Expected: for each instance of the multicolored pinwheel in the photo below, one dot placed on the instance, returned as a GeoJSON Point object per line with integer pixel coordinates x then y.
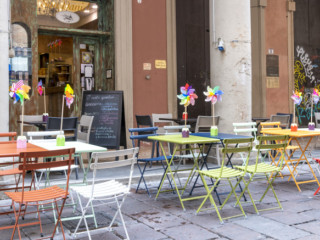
{"type": "Point", "coordinates": [68, 92]}
{"type": "Point", "coordinates": [39, 88]}
{"type": "Point", "coordinates": [19, 92]}
{"type": "Point", "coordinates": [187, 95]}
{"type": "Point", "coordinates": [297, 97]}
{"type": "Point", "coordinates": [213, 95]}
{"type": "Point", "coordinates": [316, 95]}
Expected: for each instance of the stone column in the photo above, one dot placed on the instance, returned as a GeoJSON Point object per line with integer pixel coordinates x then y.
{"type": "Point", "coordinates": [4, 70]}
{"type": "Point", "coordinates": [231, 68]}
{"type": "Point", "coordinates": [123, 57]}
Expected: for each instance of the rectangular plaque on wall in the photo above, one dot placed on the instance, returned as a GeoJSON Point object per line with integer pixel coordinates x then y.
{"type": "Point", "coordinates": [272, 65]}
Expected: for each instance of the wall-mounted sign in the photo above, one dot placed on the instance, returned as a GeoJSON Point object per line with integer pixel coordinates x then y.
{"type": "Point", "coordinates": [146, 66]}
{"type": "Point", "coordinates": [273, 82]}
{"type": "Point", "coordinates": [272, 65]}
{"type": "Point", "coordinates": [161, 64]}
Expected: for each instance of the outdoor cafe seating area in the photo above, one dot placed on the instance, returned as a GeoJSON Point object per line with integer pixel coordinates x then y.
{"type": "Point", "coordinates": [211, 170]}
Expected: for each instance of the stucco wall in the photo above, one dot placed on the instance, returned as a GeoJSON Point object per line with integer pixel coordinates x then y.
{"type": "Point", "coordinates": [231, 69]}
{"type": "Point", "coordinates": [277, 39]}
{"type": "Point", "coordinates": [149, 44]}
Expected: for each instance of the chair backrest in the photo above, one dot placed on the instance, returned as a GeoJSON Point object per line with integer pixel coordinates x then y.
{"type": "Point", "coordinates": [170, 130]}
{"type": "Point", "coordinates": [68, 124]}
{"type": "Point", "coordinates": [275, 125]}
{"type": "Point", "coordinates": [43, 134]}
{"type": "Point", "coordinates": [156, 122]}
{"type": "Point", "coordinates": [141, 134]}
{"type": "Point", "coordinates": [317, 119]}
{"type": "Point", "coordinates": [144, 121]}
{"type": "Point", "coordinates": [31, 118]}
{"type": "Point", "coordinates": [30, 163]}
{"type": "Point", "coordinates": [7, 137]}
{"type": "Point", "coordinates": [272, 142]}
{"type": "Point", "coordinates": [205, 122]}
{"type": "Point", "coordinates": [290, 114]}
{"type": "Point", "coordinates": [175, 129]}
{"type": "Point", "coordinates": [247, 128]}
{"type": "Point", "coordinates": [232, 146]}
{"type": "Point", "coordinates": [84, 128]}
{"type": "Point", "coordinates": [283, 119]}
{"type": "Point", "coordinates": [131, 159]}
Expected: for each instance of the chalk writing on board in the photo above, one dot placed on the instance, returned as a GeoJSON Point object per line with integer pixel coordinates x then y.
{"type": "Point", "coordinates": [106, 107]}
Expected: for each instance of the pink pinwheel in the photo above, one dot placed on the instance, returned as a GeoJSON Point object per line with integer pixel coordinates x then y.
{"type": "Point", "coordinates": [297, 97]}
{"type": "Point", "coordinates": [19, 92]}
{"type": "Point", "coordinates": [316, 95]}
{"type": "Point", "coordinates": [213, 95]}
{"type": "Point", "coordinates": [187, 95]}
{"type": "Point", "coordinates": [39, 88]}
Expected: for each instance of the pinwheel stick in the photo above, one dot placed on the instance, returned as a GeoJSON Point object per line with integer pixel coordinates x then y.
{"type": "Point", "coordinates": [294, 112]}
{"type": "Point", "coordinates": [21, 126]}
{"type": "Point", "coordinates": [213, 122]}
{"type": "Point", "coordinates": [44, 96]}
{"type": "Point", "coordinates": [311, 109]}
{"type": "Point", "coordinates": [62, 114]}
{"type": "Point", "coordinates": [186, 116]}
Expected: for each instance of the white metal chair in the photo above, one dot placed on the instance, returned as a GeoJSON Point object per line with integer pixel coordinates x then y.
{"type": "Point", "coordinates": [160, 123]}
{"type": "Point", "coordinates": [317, 119]}
{"type": "Point", "coordinates": [108, 192]}
{"type": "Point", "coordinates": [30, 118]}
{"type": "Point", "coordinates": [250, 129]}
{"type": "Point", "coordinates": [84, 128]}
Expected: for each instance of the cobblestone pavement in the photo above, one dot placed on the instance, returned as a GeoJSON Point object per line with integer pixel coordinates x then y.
{"type": "Point", "coordinates": [147, 218]}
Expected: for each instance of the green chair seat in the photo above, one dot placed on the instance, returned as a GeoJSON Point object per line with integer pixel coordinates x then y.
{"type": "Point", "coordinates": [226, 173]}
{"type": "Point", "coordinates": [261, 168]}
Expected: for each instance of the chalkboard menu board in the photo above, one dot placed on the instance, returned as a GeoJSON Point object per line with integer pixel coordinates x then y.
{"type": "Point", "coordinates": [108, 127]}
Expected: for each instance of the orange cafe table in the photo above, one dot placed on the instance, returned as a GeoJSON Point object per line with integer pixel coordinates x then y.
{"type": "Point", "coordinates": [291, 163]}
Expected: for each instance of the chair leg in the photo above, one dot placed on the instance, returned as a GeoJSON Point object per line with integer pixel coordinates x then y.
{"type": "Point", "coordinates": [83, 211]}
{"type": "Point", "coordinates": [120, 214]}
{"type": "Point", "coordinates": [59, 219]}
{"type": "Point", "coordinates": [142, 178]}
{"type": "Point", "coordinates": [16, 225]}
{"type": "Point", "coordinates": [39, 218]}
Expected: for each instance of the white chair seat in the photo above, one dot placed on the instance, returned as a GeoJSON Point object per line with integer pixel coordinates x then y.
{"type": "Point", "coordinates": [105, 189]}
{"type": "Point", "coordinates": [57, 169]}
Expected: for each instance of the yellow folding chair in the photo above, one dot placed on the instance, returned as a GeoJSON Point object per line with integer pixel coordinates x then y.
{"type": "Point", "coordinates": [261, 169]}
{"type": "Point", "coordinates": [275, 156]}
{"type": "Point", "coordinates": [224, 173]}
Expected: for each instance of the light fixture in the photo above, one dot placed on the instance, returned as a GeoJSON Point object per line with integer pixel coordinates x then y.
{"type": "Point", "coordinates": [51, 7]}
{"type": "Point", "coordinates": [139, 1]}
{"type": "Point", "coordinates": [95, 6]}
{"type": "Point", "coordinates": [86, 11]}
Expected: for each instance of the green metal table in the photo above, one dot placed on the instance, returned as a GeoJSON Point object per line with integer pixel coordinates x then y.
{"type": "Point", "coordinates": [192, 143]}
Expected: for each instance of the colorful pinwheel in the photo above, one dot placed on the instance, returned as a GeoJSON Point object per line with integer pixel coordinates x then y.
{"type": "Point", "coordinates": [297, 97]}
{"type": "Point", "coordinates": [213, 95]}
{"type": "Point", "coordinates": [68, 92]}
{"type": "Point", "coordinates": [316, 95]}
{"type": "Point", "coordinates": [39, 88]}
{"type": "Point", "coordinates": [19, 92]}
{"type": "Point", "coordinates": [187, 95]}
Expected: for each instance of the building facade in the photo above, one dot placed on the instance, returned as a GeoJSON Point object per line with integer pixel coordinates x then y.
{"type": "Point", "coordinates": [148, 49]}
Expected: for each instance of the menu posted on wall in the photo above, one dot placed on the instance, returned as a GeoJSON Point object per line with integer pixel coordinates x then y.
{"type": "Point", "coordinates": [108, 124]}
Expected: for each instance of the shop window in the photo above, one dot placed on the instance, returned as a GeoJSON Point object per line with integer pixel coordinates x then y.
{"type": "Point", "coordinates": [68, 14]}
{"type": "Point", "coordinates": [20, 54]}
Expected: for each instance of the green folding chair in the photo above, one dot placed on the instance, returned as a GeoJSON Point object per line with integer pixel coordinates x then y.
{"type": "Point", "coordinates": [224, 173]}
{"type": "Point", "coordinates": [260, 169]}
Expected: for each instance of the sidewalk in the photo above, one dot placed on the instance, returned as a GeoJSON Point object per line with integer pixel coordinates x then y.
{"type": "Point", "coordinates": [150, 219]}
{"type": "Point", "coordinates": [165, 219]}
